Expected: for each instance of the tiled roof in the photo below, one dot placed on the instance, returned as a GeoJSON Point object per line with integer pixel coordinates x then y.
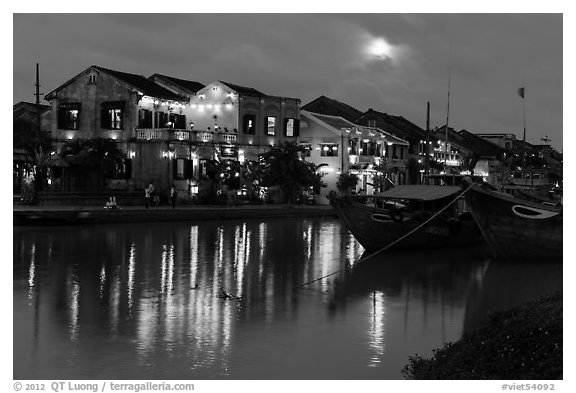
{"type": "Point", "coordinates": [329, 106]}
{"type": "Point", "coordinates": [480, 145]}
{"type": "Point", "coordinates": [243, 90]}
{"type": "Point", "coordinates": [22, 107]}
{"type": "Point", "coordinates": [396, 125]}
{"type": "Point", "coordinates": [143, 84]}
{"type": "Point", "coordinates": [337, 122]}
{"type": "Point", "coordinates": [190, 86]}
{"type": "Point", "coordinates": [468, 141]}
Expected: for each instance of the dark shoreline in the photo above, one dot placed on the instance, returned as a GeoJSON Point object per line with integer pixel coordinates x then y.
{"type": "Point", "coordinates": [524, 342]}
{"type": "Point", "coordinates": [76, 215]}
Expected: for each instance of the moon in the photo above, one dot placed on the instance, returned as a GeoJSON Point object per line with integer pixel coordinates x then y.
{"type": "Point", "coordinates": [380, 49]}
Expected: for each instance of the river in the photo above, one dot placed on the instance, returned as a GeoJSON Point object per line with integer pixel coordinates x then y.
{"type": "Point", "coordinates": [244, 300]}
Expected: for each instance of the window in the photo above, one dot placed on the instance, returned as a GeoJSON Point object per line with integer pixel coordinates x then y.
{"type": "Point", "coordinates": [160, 120]}
{"type": "Point", "coordinates": [353, 144]}
{"type": "Point", "coordinates": [270, 125]}
{"type": "Point", "coordinates": [291, 127]}
{"type": "Point", "coordinates": [249, 124]}
{"type": "Point", "coordinates": [367, 148]}
{"type": "Point", "coordinates": [69, 116]}
{"type": "Point", "coordinates": [121, 169]}
{"type": "Point", "coordinates": [112, 115]}
{"type": "Point", "coordinates": [92, 79]}
{"type": "Point", "coordinates": [307, 150]}
{"type": "Point", "coordinates": [329, 150]}
{"type": "Point", "coordinates": [144, 118]}
{"type": "Point", "coordinates": [372, 123]}
{"type": "Point", "coordinates": [394, 152]}
{"type": "Point", "coordinates": [177, 121]}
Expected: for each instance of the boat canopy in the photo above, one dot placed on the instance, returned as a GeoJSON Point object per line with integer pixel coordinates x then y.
{"type": "Point", "coordinates": [420, 192]}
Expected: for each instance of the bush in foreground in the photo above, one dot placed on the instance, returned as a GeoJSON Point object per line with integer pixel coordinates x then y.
{"type": "Point", "coordinates": [524, 342]}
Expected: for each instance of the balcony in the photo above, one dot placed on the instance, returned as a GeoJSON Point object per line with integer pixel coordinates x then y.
{"type": "Point", "coordinates": [226, 137]}
{"type": "Point", "coordinates": [151, 134]}
{"type": "Point", "coordinates": [172, 134]}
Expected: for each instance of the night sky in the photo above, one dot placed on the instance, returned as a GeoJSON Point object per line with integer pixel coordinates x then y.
{"type": "Point", "coordinates": [393, 63]}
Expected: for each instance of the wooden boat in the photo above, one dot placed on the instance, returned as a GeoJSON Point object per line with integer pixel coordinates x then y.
{"type": "Point", "coordinates": [516, 228]}
{"type": "Point", "coordinates": [414, 227]}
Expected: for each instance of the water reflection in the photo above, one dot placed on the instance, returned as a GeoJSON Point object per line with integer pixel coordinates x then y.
{"type": "Point", "coordinates": [225, 300]}
{"type": "Point", "coordinates": [376, 332]}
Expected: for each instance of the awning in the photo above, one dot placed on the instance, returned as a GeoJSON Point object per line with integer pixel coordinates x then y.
{"type": "Point", "coordinates": [420, 192]}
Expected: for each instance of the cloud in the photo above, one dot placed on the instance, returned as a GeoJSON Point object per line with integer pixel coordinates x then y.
{"type": "Point", "coordinates": [390, 62]}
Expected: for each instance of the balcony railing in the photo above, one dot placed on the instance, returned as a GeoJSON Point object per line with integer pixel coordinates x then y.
{"type": "Point", "coordinates": [226, 137]}
{"type": "Point", "coordinates": [148, 134]}
{"type": "Point", "coordinates": [171, 134]}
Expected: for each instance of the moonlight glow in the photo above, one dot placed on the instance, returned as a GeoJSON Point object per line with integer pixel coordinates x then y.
{"type": "Point", "coordinates": [380, 49]}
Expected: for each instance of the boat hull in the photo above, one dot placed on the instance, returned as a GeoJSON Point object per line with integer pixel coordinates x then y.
{"type": "Point", "coordinates": [516, 228]}
{"type": "Point", "coordinates": [375, 230]}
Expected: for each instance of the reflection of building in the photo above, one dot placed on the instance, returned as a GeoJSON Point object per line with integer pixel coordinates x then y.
{"type": "Point", "coordinates": [168, 128]}
{"type": "Point", "coordinates": [337, 145]}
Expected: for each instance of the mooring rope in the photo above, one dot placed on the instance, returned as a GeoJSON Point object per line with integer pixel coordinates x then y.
{"type": "Point", "coordinates": [417, 228]}
{"type": "Point", "coordinates": [395, 241]}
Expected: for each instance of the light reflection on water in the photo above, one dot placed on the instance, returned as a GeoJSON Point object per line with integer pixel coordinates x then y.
{"type": "Point", "coordinates": [149, 301]}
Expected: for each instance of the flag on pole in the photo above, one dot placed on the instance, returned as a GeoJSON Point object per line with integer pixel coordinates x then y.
{"type": "Point", "coordinates": [521, 92]}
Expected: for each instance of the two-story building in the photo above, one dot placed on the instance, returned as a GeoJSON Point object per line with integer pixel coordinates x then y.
{"type": "Point", "coordinates": [169, 128]}
{"type": "Point", "coordinates": [463, 152]}
{"type": "Point", "coordinates": [420, 144]}
{"type": "Point", "coordinates": [113, 105]}
{"type": "Point", "coordinates": [336, 145]}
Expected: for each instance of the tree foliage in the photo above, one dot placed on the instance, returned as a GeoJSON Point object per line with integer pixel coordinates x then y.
{"type": "Point", "coordinates": [284, 167]}
{"type": "Point", "coordinates": [346, 181]}
{"type": "Point", "coordinates": [26, 137]}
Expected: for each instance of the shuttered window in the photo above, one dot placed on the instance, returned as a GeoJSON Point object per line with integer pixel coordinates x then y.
{"type": "Point", "coordinates": [144, 118]}
{"type": "Point", "coordinates": [291, 127]}
{"type": "Point", "coordinates": [160, 120]}
{"type": "Point", "coordinates": [112, 115]}
{"type": "Point", "coordinates": [69, 116]}
{"type": "Point", "coordinates": [270, 125]}
{"type": "Point", "coordinates": [249, 124]}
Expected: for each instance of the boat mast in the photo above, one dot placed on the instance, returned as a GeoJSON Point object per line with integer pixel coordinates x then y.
{"type": "Point", "coordinates": [522, 92]}
{"type": "Point", "coordinates": [427, 144]}
{"type": "Point", "coordinates": [447, 118]}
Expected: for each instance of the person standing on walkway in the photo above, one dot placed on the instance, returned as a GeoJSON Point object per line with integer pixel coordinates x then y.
{"type": "Point", "coordinates": [148, 193]}
{"type": "Point", "coordinates": [173, 196]}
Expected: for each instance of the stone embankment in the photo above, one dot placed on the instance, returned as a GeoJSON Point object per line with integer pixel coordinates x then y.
{"type": "Point", "coordinates": [24, 215]}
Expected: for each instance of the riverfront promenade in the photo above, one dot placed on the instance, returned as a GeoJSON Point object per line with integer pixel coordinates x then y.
{"type": "Point", "coordinates": [76, 214]}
